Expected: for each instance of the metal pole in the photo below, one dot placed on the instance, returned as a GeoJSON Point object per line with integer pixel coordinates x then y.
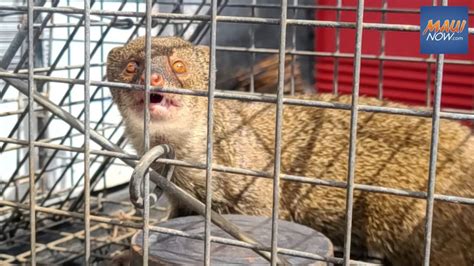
{"type": "Point", "coordinates": [87, 53]}
{"type": "Point", "coordinates": [433, 154]}
{"type": "Point", "coordinates": [335, 81]}
{"type": "Point", "coordinates": [31, 137]}
{"type": "Point", "coordinates": [353, 133]}
{"type": "Point", "coordinates": [278, 130]}
{"type": "Point", "coordinates": [146, 134]}
{"type": "Point", "coordinates": [210, 126]}
{"type": "Point", "coordinates": [382, 52]}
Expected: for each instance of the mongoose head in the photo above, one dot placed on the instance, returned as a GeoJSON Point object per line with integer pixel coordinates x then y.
{"type": "Point", "coordinates": [175, 63]}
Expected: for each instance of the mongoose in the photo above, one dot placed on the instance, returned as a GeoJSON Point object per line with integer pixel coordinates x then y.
{"type": "Point", "coordinates": [392, 151]}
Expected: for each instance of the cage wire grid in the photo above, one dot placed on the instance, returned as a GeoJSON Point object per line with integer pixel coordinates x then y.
{"type": "Point", "coordinates": [102, 142]}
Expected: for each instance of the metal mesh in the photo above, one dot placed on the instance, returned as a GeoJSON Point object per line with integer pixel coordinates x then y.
{"type": "Point", "coordinates": [65, 158]}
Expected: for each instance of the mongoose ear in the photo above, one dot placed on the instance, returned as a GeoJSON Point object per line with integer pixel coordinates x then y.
{"type": "Point", "coordinates": [114, 63]}
{"type": "Point", "coordinates": [202, 52]}
{"type": "Point", "coordinates": [204, 48]}
{"type": "Point", "coordinates": [115, 55]}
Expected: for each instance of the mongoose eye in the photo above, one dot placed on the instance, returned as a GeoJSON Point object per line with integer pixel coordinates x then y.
{"type": "Point", "coordinates": [179, 67]}
{"type": "Point", "coordinates": [132, 67]}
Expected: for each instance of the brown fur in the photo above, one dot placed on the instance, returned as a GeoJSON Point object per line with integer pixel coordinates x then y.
{"type": "Point", "coordinates": [392, 151]}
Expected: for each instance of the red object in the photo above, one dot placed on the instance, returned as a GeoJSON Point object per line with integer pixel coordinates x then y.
{"type": "Point", "coordinates": [402, 81]}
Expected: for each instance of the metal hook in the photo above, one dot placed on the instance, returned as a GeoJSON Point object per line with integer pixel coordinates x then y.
{"type": "Point", "coordinates": [136, 188]}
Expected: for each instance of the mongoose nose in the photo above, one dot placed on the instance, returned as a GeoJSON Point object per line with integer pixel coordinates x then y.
{"type": "Point", "coordinates": [155, 79]}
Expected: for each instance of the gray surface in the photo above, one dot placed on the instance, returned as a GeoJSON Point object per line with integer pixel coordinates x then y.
{"type": "Point", "coordinates": [180, 250]}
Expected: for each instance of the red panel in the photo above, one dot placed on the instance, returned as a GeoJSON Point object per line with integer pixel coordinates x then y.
{"type": "Point", "coordinates": [403, 81]}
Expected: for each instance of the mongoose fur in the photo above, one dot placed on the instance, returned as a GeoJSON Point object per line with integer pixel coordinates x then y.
{"type": "Point", "coordinates": [392, 151]}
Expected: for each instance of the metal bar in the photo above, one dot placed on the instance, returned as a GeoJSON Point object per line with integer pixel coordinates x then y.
{"type": "Point", "coordinates": [255, 173]}
{"type": "Point", "coordinates": [301, 6]}
{"type": "Point", "coordinates": [21, 179]}
{"type": "Point", "coordinates": [253, 97]}
{"type": "Point", "coordinates": [104, 165]}
{"type": "Point", "coordinates": [137, 199]}
{"type": "Point", "coordinates": [142, 19]}
{"type": "Point", "coordinates": [353, 133]}
{"type": "Point", "coordinates": [176, 8]}
{"type": "Point", "coordinates": [278, 129]}
{"type": "Point", "coordinates": [40, 134]}
{"type": "Point", "coordinates": [15, 127]}
{"type": "Point", "coordinates": [78, 201]}
{"type": "Point", "coordinates": [82, 111]}
{"type": "Point", "coordinates": [252, 46]}
{"type": "Point", "coordinates": [172, 189]}
{"type": "Point", "coordinates": [230, 19]}
{"type": "Point", "coordinates": [183, 31]}
{"type": "Point", "coordinates": [382, 52]}
{"type": "Point", "coordinates": [70, 87]}
{"type": "Point", "coordinates": [50, 159]}
{"type": "Point", "coordinates": [209, 138]}
{"type": "Point", "coordinates": [428, 72]}
{"type": "Point", "coordinates": [19, 112]}
{"type": "Point", "coordinates": [16, 43]}
{"type": "Point", "coordinates": [80, 72]}
{"type": "Point", "coordinates": [335, 81]}
{"type": "Point", "coordinates": [72, 173]}
{"type": "Point", "coordinates": [321, 7]}
{"type": "Point", "coordinates": [87, 62]}
{"type": "Point", "coordinates": [342, 55]}
{"type": "Point", "coordinates": [67, 44]}
{"type": "Point", "coordinates": [102, 74]}
{"type": "Point", "coordinates": [325, 54]}
{"type": "Point", "coordinates": [102, 129]}
{"type": "Point", "coordinates": [433, 155]}
{"type": "Point", "coordinates": [178, 27]}
{"type": "Point", "coordinates": [69, 67]}
{"type": "Point", "coordinates": [116, 24]}
{"type": "Point", "coordinates": [203, 28]}
{"type": "Point", "coordinates": [293, 48]}
{"type": "Point", "coordinates": [146, 134]}
{"type": "Point", "coordinates": [31, 131]}
{"type": "Point", "coordinates": [57, 60]}
{"type": "Point", "coordinates": [7, 59]}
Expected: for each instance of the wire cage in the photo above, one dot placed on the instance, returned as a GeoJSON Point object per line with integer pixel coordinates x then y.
{"type": "Point", "coordinates": [65, 159]}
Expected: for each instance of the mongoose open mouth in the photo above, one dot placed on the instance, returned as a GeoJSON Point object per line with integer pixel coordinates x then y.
{"type": "Point", "coordinates": [156, 98]}
{"type": "Point", "coordinates": [160, 105]}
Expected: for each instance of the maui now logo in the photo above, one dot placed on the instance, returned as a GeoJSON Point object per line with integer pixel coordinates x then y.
{"type": "Point", "coordinates": [444, 30]}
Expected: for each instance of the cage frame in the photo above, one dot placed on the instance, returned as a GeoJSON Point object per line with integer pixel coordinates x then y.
{"type": "Point", "coordinates": [115, 151]}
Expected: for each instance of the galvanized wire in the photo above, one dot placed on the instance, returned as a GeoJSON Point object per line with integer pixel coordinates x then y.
{"type": "Point", "coordinates": [255, 173]}
{"type": "Point", "coordinates": [382, 51]}
{"type": "Point", "coordinates": [230, 19]}
{"type": "Point", "coordinates": [115, 151]}
{"type": "Point", "coordinates": [278, 130]}
{"type": "Point", "coordinates": [87, 202]}
{"type": "Point", "coordinates": [433, 154]}
{"type": "Point", "coordinates": [353, 133]}
{"type": "Point", "coordinates": [31, 131]}
{"type": "Point", "coordinates": [254, 97]}
{"type": "Point", "coordinates": [209, 137]}
{"type": "Point", "coordinates": [146, 133]}
{"type": "Point", "coordinates": [335, 81]}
